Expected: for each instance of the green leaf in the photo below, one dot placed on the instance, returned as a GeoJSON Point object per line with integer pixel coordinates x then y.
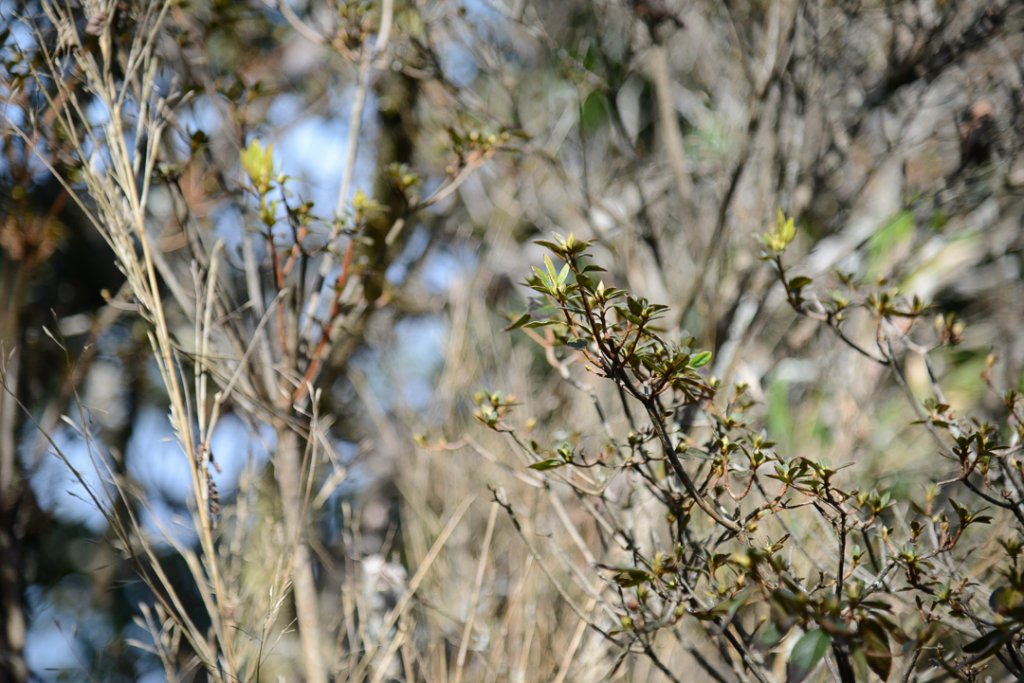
{"type": "Point", "coordinates": [594, 111]}
{"type": "Point", "coordinates": [701, 359]}
{"type": "Point", "coordinates": [987, 644]}
{"type": "Point", "coordinates": [806, 654]}
{"type": "Point", "coordinates": [552, 274]}
{"type": "Point", "coordinates": [577, 343]}
{"type": "Point", "coordinates": [860, 665]}
{"type": "Point", "coordinates": [799, 282]}
{"type": "Point", "coordinates": [785, 227]}
{"type": "Point", "coordinates": [519, 322]}
{"type": "Point", "coordinates": [769, 636]}
{"type": "Point", "coordinates": [544, 277]}
{"type": "Point", "coordinates": [627, 578]}
{"type": "Point", "coordinates": [563, 274]}
{"type": "Point", "coordinates": [258, 164]}
{"type": "Point", "coordinates": [551, 246]}
{"type": "Point", "coordinates": [876, 647]}
{"type": "Point", "coordinates": [785, 230]}
{"type": "Point", "coordinates": [548, 464]}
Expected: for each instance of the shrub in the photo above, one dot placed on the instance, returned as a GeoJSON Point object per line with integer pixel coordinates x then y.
{"type": "Point", "coordinates": [779, 558]}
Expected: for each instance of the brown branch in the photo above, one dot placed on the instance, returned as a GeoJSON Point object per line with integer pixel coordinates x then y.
{"type": "Point", "coordinates": [317, 357]}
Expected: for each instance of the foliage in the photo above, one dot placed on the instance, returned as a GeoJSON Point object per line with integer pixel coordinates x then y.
{"type": "Point", "coordinates": [722, 551]}
{"type": "Point", "coordinates": [256, 259]}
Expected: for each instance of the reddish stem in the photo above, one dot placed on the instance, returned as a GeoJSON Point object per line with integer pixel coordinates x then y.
{"type": "Point", "coordinates": [339, 287]}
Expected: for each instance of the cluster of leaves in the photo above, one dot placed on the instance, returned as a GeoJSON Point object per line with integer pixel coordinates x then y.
{"type": "Point", "coordinates": [617, 333]}
{"type": "Point", "coordinates": [726, 555]}
{"type": "Point", "coordinates": [985, 459]}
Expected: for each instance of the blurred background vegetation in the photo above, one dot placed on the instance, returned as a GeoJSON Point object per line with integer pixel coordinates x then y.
{"type": "Point", "coordinates": [429, 144]}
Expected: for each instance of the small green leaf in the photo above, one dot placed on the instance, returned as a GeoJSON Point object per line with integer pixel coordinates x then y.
{"type": "Point", "coordinates": [577, 343]}
{"type": "Point", "coordinates": [799, 282]}
{"type": "Point", "coordinates": [552, 274]}
{"type": "Point", "coordinates": [627, 578]}
{"type": "Point", "coordinates": [806, 654]}
{"type": "Point", "coordinates": [519, 322]}
{"type": "Point", "coordinates": [634, 305]}
{"type": "Point", "coordinates": [785, 227]}
{"type": "Point", "coordinates": [701, 359]}
{"type": "Point", "coordinates": [785, 230]}
{"type": "Point", "coordinates": [544, 277]}
{"type": "Point", "coordinates": [548, 464]}
{"type": "Point", "coordinates": [258, 164]}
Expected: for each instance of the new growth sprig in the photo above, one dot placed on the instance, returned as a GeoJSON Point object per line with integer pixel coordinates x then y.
{"type": "Point", "coordinates": [616, 332]}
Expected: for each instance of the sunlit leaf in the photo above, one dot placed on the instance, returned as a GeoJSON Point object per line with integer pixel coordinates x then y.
{"type": "Point", "coordinates": [548, 464]}
{"type": "Point", "coordinates": [258, 164]}
{"type": "Point", "coordinates": [701, 359]}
